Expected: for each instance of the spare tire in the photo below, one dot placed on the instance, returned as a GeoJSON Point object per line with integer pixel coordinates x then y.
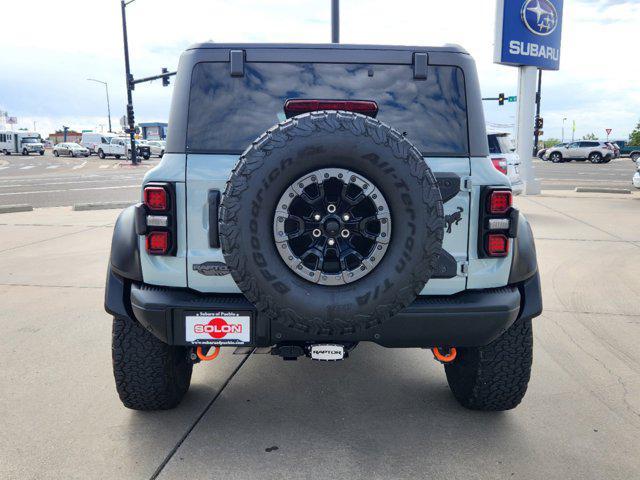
{"type": "Point", "coordinates": [331, 223]}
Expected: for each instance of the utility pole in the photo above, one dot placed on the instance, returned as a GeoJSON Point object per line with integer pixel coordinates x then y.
{"type": "Point", "coordinates": [563, 120]}
{"type": "Point", "coordinates": [106, 87]}
{"type": "Point", "coordinates": [130, 118]}
{"type": "Point", "coordinates": [536, 132]}
{"type": "Point", "coordinates": [335, 21]}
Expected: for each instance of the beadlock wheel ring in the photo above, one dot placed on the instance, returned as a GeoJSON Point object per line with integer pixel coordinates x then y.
{"type": "Point", "coordinates": [332, 200]}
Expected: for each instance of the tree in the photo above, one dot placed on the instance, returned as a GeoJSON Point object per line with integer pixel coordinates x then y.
{"type": "Point", "coordinates": [590, 136]}
{"type": "Point", "coordinates": [634, 137]}
{"type": "Point", "coordinates": [550, 142]}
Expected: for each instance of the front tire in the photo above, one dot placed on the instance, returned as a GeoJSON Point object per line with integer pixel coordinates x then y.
{"type": "Point", "coordinates": [494, 377]}
{"type": "Point", "coordinates": [101, 155]}
{"type": "Point", "coordinates": [55, 153]}
{"type": "Point", "coordinates": [556, 157]}
{"type": "Point", "coordinates": [25, 152]}
{"type": "Point", "coordinates": [149, 374]}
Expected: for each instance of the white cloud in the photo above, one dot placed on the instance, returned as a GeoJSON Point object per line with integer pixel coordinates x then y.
{"type": "Point", "coordinates": [45, 66]}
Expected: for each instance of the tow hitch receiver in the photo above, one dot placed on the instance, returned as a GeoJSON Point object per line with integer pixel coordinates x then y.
{"type": "Point", "coordinates": [327, 352]}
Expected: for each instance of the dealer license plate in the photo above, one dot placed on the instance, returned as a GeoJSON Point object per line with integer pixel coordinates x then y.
{"type": "Point", "coordinates": [218, 328]}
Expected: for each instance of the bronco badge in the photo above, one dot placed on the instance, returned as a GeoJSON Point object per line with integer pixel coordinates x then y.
{"type": "Point", "coordinates": [452, 219]}
{"type": "Point", "coordinates": [212, 269]}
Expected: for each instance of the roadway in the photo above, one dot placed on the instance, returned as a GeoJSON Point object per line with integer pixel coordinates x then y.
{"type": "Point", "coordinates": [48, 181]}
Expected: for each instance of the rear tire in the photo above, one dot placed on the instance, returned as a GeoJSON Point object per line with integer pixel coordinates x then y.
{"type": "Point", "coordinates": [25, 152]}
{"type": "Point", "coordinates": [55, 153]}
{"type": "Point", "coordinates": [117, 157]}
{"type": "Point", "coordinates": [635, 157]}
{"type": "Point", "coordinates": [595, 157]}
{"type": "Point", "coordinates": [494, 377]}
{"type": "Point", "coordinates": [149, 374]}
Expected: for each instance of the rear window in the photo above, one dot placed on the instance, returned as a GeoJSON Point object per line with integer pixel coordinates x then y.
{"type": "Point", "coordinates": [499, 143]}
{"type": "Point", "coordinates": [227, 113]}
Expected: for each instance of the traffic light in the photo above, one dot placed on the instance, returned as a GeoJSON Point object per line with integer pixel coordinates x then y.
{"type": "Point", "coordinates": [130, 117]}
{"type": "Point", "coordinates": [539, 123]}
{"type": "Point", "coordinates": [165, 79]}
{"type": "Point", "coordinates": [501, 99]}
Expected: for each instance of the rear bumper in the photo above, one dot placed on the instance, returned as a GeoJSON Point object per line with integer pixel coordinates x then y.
{"type": "Point", "coordinates": [470, 318]}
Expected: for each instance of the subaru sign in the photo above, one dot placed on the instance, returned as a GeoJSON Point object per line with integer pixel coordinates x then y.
{"type": "Point", "coordinates": [528, 32]}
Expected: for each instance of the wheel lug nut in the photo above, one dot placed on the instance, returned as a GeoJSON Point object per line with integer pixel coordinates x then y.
{"type": "Point", "coordinates": [331, 208]}
{"type": "Point", "coordinates": [344, 233]}
{"type": "Point", "coordinates": [346, 217]}
{"type": "Point", "coordinates": [316, 233]}
{"type": "Point", "coordinates": [317, 217]}
{"type": "Point", "coordinates": [331, 242]}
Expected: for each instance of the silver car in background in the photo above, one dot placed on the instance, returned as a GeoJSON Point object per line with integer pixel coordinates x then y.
{"type": "Point", "coordinates": [157, 147]}
{"type": "Point", "coordinates": [505, 159]}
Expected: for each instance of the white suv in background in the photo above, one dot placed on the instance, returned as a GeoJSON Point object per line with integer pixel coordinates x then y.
{"type": "Point", "coordinates": [504, 158]}
{"type": "Point", "coordinates": [592, 150]}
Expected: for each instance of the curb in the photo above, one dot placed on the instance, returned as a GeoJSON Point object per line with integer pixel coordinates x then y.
{"type": "Point", "coordinates": [80, 207]}
{"type": "Point", "coordinates": [15, 208]}
{"type": "Point", "coordinates": [602, 190]}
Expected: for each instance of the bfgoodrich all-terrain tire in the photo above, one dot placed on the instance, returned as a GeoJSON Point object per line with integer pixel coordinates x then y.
{"type": "Point", "coordinates": [494, 377]}
{"type": "Point", "coordinates": [149, 374]}
{"type": "Point", "coordinates": [321, 147]}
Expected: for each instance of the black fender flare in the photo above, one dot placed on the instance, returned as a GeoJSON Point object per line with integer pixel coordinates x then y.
{"type": "Point", "coordinates": [124, 264]}
{"type": "Point", "coordinates": [125, 253]}
{"type": "Point", "coordinates": [524, 263]}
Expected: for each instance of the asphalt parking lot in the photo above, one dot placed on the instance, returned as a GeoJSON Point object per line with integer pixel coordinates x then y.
{"type": "Point", "coordinates": [380, 414]}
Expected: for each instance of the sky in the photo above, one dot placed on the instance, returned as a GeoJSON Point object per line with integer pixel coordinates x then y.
{"type": "Point", "coordinates": [51, 48]}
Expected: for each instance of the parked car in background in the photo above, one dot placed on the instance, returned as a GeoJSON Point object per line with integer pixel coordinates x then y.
{"type": "Point", "coordinates": [70, 149]}
{"type": "Point", "coordinates": [504, 158]}
{"type": "Point", "coordinates": [92, 140]}
{"type": "Point", "coordinates": [21, 142]}
{"type": "Point", "coordinates": [632, 151]}
{"type": "Point", "coordinates": [157, 147]}
{"type": "Point", "coordinates": [119, 147]}
{"type": "Point", "coordinates": [592, 150]}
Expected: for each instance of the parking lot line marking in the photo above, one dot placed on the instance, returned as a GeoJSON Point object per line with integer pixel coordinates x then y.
{"type": "Point", "coordinates": [27, 167]}
{"type": "Point", "coordinates": [104, 166]}
{"type": "Point", "coordinates": [76, 167]}
{"type": "Point", "coordinates": [3, 168]}
{"type": "Point", "coordinates": [69, 190]}
{"type": "Point", "coordinates": [52, 167]}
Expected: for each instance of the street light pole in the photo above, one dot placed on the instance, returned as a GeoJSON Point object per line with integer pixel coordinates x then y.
{"type": "Point", "coordinates": [131, 122]}
{"type": "Point", "coordinates": [106, 87]}
{"type": "Point", "coordinates": [335, 21]}
{"type": "Point", "coordinates": [563, 129]}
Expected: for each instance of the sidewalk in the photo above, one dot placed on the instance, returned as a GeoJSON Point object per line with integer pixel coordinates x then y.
{"type": "Point", "coordinates": [380, 414]}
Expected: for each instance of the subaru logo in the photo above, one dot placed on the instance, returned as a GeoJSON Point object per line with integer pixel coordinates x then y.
{"type": "Point", "coordinates": [539, 16]}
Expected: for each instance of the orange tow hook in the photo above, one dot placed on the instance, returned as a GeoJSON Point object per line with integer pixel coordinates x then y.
{"type": "Point", "coordinates": [206, 358]}
{"type": "Point", "coordinates": [447, 357]}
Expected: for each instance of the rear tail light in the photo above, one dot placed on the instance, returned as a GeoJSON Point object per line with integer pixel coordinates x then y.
{"type": "Point", "coordinates": [499, 201]}
{"type": "Point", "coordinates": [156, 198]}
{"type": "Point", "coordinates": [158, 242]}
{"type": "Point", "coordinates": [156, 218]}
{"type": "Point", "coordinates": [297, 107]}
{"type": "Point", "coordinates": [498, 222]}
{"type": "Point", "coordinates": [497, 245]}
{"type": "Point", "coordinates": [500, 164]}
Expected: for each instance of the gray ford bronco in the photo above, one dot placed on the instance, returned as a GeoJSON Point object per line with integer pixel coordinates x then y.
{"type": "Point", "coordinates": [312, 197]}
